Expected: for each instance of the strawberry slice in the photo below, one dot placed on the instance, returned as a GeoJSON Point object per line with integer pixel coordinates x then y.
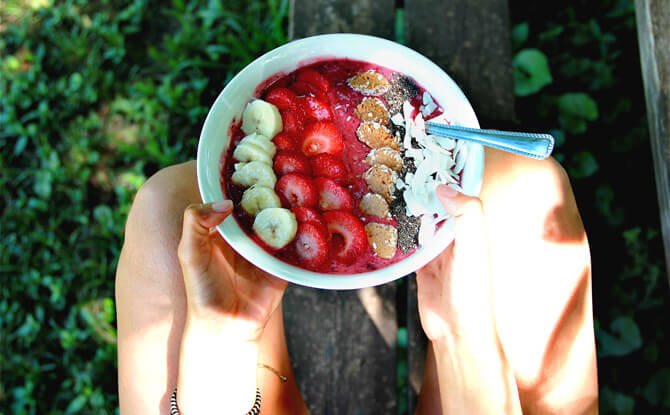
{"type": "Point", "coordinates": [332, 196]}
{"type": "Point", "coordinates": [286, 142]}
{"type": "Point", "coordinates": [358, 187]}
{"type": "Point", "coordinates": [315, 78]}
{"type": "Point", "coordinates": [352, 240]}
{"type": "Point", "coordinates": [327, 165]}
{"type": "Point", "coordinates": [282, 98]}
{"type": "Point", "coordinates": [295, 189]}
{"type": "Point", "coordinates": [311, 245]}
{"type": "Point", "coordinates": [291, 162]}
{"type": "Point", "coordinates": [316, 109]}
{"type": "Point", "coordinates": [322, 137]}
{"type": "Point", "coordinates": [308, 215]}
{"type": "Point", "coordinates": [302, 89]}
{"type": "Point", "coordinates": [292, 122]}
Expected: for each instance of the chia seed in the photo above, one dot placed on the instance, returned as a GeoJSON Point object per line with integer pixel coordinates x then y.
{"type": "Point", "coordinates": [408, 226]}
{"type": "Point", "coordinates": [403, 89]}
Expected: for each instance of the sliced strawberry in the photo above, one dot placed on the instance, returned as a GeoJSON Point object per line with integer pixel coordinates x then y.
{"type": "Point", "coordinates": [332, 196]}
{"type": "Point", "coordinates": [292, 122]}
{"type": "Point", "coordinates": [311, 245]}
{"type": "Point", "coordinates": [315, 78]}
{"type": "Point", "coordinates": [282, 98]}
{"type": "Point", "coordinates": [352, 240]}
{"type": "Point", "coordinates": [286, 142]}
{"type": "Point", "coordinates": [327, 165]}
{"type": "Point", "coordinates": [291, 162]}
{"type": "Point", "coordinates": [308, 215]}
{"type": "Point", "coordinates": [316, 109]}
{"type": "Point", "coordinates": [296, 190]}
{"type": "Point", "coordinates": [322, 137]}
{"type": "Point", "coordinates": [358, 187]}
{"type": "Point", "coordinates": [302, 89]}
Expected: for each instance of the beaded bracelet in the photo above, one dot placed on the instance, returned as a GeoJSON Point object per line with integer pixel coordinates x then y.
{"type": "Point", "coordinates": [255, 410]}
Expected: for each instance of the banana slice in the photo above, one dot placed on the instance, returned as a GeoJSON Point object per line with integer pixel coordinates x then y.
{"type": "Point", "coordinates": [254, 172]}
{"type": "Point", "coordinates": [261, 117]}
{"type": "Point", "coordinates": [262, 142]}
{"type": "Point", "coordinates": [257, 198]}
{"type": "Point", "coordinates": [251, 152]}
{"type": "Point", "coordinates": [276, 226]}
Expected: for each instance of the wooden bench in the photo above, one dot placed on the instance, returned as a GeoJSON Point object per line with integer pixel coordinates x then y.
{"type": "Point", "coordinates": [343, 343]}
{"type": "Point", "coordinates": [653, 23]}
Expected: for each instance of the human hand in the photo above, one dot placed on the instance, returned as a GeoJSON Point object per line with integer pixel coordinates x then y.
{"type": "Point", "coordinates": [222, 288]}
{"type": "Point", "coordinates": [454, 290]}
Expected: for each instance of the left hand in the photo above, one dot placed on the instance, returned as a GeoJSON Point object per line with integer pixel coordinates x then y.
{"type": "Point", "coordinates": [223, 289]}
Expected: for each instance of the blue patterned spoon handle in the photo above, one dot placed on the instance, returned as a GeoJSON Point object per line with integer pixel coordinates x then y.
{"type": "Point", "coordinates": [537, 146]}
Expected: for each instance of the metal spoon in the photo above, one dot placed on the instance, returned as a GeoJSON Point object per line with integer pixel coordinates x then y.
{"type": "Point", "coordinates": [537, 146]}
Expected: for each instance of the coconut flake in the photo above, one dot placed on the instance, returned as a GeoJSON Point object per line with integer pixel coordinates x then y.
{"type": "Point", "coordinates": [407, 110]}
{"type": "Point", "coordinates": [437, 160]}
{"type": "Point", "coordinates": [460, 160]}
{"type": "Point", "coordinates": [398, 119]}
{"type": "Point", "coordinates": [414, 207]}
{"type": "Point", "coordinates": [426, 230]}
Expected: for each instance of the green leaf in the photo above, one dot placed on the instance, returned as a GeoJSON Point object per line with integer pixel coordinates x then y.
{"type": "Point", "coordinates": [624, 339]}
{"type": "Point", "coordinates": [519, 35]}
{"type": "Point", "coordinates": [76, 405]}
{"type": "Point", "coordinates": [582, 165]}
{"type": "Point", "coordinates": [559, 137]}
{"type": "Point", "coordinates": [657, 391]}
{"type": "Point", "coordinates": [612, 402]}
{"type": "Point", "coordinates": [574, 110]}
{"type": "Point", "coordinates": [531, 72]}
{"type": "Point", "coordinates": [42, 185]}
{"type": "Point", "coordinates": [402, 337]}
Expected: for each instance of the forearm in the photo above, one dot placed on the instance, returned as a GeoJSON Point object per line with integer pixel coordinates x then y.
{"type": "Point", "coordinates": [474, 375]}
{"type": "Point", "coordinates": [217, 372]}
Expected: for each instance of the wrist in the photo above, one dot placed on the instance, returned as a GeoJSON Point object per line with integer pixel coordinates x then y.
{"type": "Point", "coordinates": [219, 324]}
{"type": "Point", "coordinates": [217, 368]}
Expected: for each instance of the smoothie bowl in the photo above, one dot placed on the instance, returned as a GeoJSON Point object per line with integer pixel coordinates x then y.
{"type": "Point", "coordinates": [321, 146]}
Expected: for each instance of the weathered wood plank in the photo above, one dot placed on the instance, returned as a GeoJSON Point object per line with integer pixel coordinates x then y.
{"type": "Point", "coordinates": [342, 362]}
{"type": "Point", "coordinates": [470, 40]}
{"type": "Point", "coordinates": [653, 28]}
{"type": "Point", "coordinates": [371, 17]}
{"type": "Point", "coordinates": [417, 344]}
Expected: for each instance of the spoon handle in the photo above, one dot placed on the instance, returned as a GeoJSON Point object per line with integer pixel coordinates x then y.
{"type": "Point", "coordinates": [537, 146]}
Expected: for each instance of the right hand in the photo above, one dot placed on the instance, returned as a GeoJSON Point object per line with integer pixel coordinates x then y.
{"type": "Point", "coordinates": [454, 290]}
{"type": "Point", "coordinates": [222, 288]}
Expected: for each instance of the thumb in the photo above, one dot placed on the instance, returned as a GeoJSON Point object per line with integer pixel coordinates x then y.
{"type": "Point", "coordinates": [194, 246]}
{"type": "Point", "coordinates": [470, 242]}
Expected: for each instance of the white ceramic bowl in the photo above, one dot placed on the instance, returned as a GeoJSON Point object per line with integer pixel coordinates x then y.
{"type": "Point", "coordinates": [214, 139]}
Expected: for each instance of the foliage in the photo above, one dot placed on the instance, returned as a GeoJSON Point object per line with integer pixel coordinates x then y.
{"type": "Point", "coordinates": [94, 98]}
{"type": "Point", "coordinates": [595, 108]}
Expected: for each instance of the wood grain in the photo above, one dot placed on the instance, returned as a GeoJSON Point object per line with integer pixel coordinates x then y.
{"type": "Point", "coordinates": [653, 28]}
{"type": "Point", "coordinates": [470, 40]}
{"type": "Point", "coordinates": [370, 17]}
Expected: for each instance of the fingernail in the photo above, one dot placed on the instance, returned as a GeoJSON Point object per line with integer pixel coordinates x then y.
{"type": "Point", "coordinates": [223, 206]}
{"type": "Point", "coordinates": [446, 191]}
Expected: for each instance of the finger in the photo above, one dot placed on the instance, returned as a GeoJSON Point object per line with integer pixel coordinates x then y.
{"type": "Point", "coordinates": [198, 220]}
{"type": "Point", "coordinates": [469, 225]}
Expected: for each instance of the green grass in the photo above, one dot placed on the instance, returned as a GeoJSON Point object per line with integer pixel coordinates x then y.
{"type": "Point", "coordinates": [96, 96]}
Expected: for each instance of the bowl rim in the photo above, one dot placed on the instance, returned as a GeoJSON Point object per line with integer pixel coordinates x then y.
{"type": "Point", "coordinates": [303, 276]}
